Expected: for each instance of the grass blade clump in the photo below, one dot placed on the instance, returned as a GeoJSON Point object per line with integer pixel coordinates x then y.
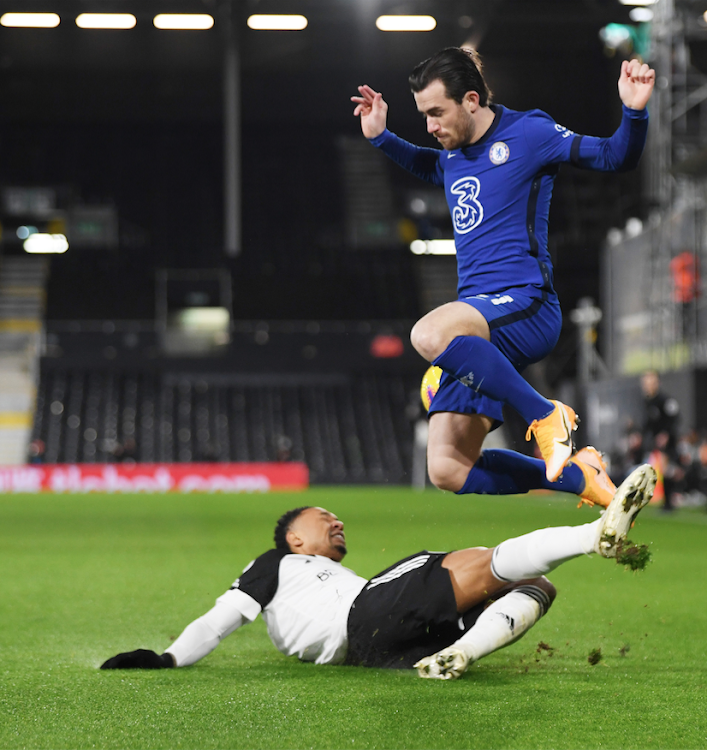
{"type": "Point", "coordinates": [632, 556]}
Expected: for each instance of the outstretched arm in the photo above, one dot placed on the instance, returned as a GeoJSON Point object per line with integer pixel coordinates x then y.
{"type": "Point", "coordinates": [623, 150]}
{"type": "Point", "coordinates": [373, 111]}
{"type": "Point", "coordinates": [203, 635]}
{"type": "Point", "coordinates": [198, 639]}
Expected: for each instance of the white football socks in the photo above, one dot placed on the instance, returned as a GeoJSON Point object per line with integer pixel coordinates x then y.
{"type": "Point", "coordinates": [541, 551]}
{"type": "Point", "coordinates": [504, 621]}
{"type": "Point", "coordinates": [527, 556]}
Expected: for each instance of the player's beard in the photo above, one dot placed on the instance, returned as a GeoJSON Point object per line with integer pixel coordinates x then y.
{"type": "Point", "coordinates": [465, 131]}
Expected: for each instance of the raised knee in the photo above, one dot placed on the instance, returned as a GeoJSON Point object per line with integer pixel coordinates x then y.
{"type": "Point", "coordinates": [428, 341]}
{"type": "Point", "coordinates": [446, 476]}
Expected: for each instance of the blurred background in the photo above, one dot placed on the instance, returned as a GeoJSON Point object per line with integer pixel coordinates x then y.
{"type": "Point", "coordinates": [202, 259]}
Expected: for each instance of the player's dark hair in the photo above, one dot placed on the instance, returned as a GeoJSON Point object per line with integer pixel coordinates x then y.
{"type": "Point", "coordinates": [460, 70]}
{"type": "Point", "coordinates": [283, 526]}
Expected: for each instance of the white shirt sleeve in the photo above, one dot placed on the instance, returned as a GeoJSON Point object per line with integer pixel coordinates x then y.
{"type": "Point", "coordinates": [233, 609]}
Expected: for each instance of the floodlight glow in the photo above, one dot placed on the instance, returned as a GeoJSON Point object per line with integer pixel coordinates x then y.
{"type": "Point", "coordinates": [406, 23]}
{"type": "Point", "coordinates": [45, 243]}
{"type": "Point", "coordinates": [641, 15]}
{"type": "Point", "coordinates": [614, 35]}
{"type": "Point", "coordinates": [433, 247]}
{"type": "Point", "coordinates": [186, 21]}
{"type": "Point", "coordinates": [204, 319]}
{"type": "Point", "coordinates": [24, 232]}
{"type": "Point", "coordinates": [30, 20]}
{"type": "Point", "coordinates": [638, 2]}
{"type": "Point", "coordinates": [106, 21]}
{"type": "Point", "coordinates": [277, 22]}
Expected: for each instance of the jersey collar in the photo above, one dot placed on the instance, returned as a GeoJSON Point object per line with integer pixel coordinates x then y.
{"type": "Point", "coordinates": [497, 110]}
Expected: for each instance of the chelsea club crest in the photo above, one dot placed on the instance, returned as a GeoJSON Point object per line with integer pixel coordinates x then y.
{"type": "Point", "coordinates": [499, 153]}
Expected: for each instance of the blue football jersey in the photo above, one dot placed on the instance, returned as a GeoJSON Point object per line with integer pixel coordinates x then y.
{"type": "Point", "coordinates": [499, 189]}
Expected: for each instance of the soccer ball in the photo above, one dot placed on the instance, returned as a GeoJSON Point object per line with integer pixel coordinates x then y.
{"type": "Point", "coordinates": [430, 385]}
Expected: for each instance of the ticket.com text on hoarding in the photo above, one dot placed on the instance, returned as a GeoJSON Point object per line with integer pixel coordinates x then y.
{"type": "Point", "coordinates": [211, 477]}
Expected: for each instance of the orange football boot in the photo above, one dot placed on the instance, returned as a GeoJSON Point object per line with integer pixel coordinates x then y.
{"type": "Point", "coordinates": [598, 487]}
{"type": "Point", "coordinates": [553, 435]}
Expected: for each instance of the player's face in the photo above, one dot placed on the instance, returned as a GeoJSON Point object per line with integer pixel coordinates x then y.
{"type": "Point", "coordinates": [316, 531]}
{"type": "Point", "coordinates": [451, 123]}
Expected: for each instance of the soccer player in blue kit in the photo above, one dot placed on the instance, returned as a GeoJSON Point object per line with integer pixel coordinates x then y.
{"type": "Point", "coordinates": [497, 167]}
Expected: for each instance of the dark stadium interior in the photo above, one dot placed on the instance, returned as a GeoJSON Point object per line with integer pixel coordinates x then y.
{"type": "Point", "coordinates": [131, 121]}
{"type": "Point", "coordinates": [135, 120]}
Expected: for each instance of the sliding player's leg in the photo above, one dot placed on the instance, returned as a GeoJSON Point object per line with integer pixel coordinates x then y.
{"type": "Point", "coordinates": [478, 574]}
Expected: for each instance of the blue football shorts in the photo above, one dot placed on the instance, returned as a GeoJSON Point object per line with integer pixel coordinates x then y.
{"type": "Point", "coordinates": [525, 325]}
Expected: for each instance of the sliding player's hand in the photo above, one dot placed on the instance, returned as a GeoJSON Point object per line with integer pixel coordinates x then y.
{"type": "Point", "coordinates": [636, 84]}
{"type": "Point", "coordinates": [140, 659]}
{"type": "Point", "coordinates": [372, 109]}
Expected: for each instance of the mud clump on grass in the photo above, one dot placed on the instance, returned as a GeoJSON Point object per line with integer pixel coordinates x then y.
{"type": "Point", "coordinates": [632, 556]}
{"type": "Point", "coordinates": [594, 656]}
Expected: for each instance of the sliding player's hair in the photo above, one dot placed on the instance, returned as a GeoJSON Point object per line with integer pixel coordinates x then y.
{"type": "Point", "coordinates": [459, 69]}
{"type": "Point", "coordinates": [283, 526]}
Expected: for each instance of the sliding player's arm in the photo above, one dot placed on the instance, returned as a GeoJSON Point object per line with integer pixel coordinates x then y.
{"type": "Point", "coordinates": [199, 638]}
{"type": "Point", "coordinates": [203, 635]}
{"type": "Point", "coordinates": [241, 604]}
{"type": "Point", "coordinates": [372, 110]}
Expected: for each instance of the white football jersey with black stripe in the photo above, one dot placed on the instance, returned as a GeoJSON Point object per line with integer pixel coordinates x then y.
{"type": "Point", "coordinates": [304, 600]}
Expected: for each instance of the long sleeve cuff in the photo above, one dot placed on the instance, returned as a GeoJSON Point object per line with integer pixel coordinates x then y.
{"type": "Point", "coordinates": [422, 162]}
{"type": "Point", "coordinates": [635, 114]}
{"type": "Point", "coordinates": [379, 140]}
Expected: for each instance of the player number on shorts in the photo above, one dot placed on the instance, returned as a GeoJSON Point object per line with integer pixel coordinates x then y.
{"type": "Point", "coordinates": [502, 300]}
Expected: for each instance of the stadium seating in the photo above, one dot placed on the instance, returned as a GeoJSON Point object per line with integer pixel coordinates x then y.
{"type": "Point", "coordinates": [347, 429]}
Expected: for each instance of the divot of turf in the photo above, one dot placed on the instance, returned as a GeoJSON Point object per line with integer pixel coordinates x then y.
{"type": "Point", "coordinates": [632, 556]}
{"type": "Point", "coordinates": [594, 656]}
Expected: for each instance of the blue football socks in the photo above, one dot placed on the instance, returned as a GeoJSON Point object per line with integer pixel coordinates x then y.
{"type": "Point", "coordinates": [502, 472]}
{"type": "Point", "coordinates": [481, 366]}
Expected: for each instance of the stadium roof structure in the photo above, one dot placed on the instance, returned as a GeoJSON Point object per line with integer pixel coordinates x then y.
{"type": "Point", "coordinates": [79, 103]}
{"type": "Point", "coordinates": [529, 47]}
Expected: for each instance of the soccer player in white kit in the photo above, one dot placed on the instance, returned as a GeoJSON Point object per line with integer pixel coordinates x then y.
{"type": "Point", "coordinates": [436, 611]}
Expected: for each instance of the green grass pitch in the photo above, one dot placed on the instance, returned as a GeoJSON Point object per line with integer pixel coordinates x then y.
{"type": "Point", "coordinates": [84, 577]}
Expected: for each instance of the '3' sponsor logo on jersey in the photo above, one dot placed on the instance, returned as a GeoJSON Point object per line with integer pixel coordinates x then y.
{"type": "Point", "coordinates": [468, 212]}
